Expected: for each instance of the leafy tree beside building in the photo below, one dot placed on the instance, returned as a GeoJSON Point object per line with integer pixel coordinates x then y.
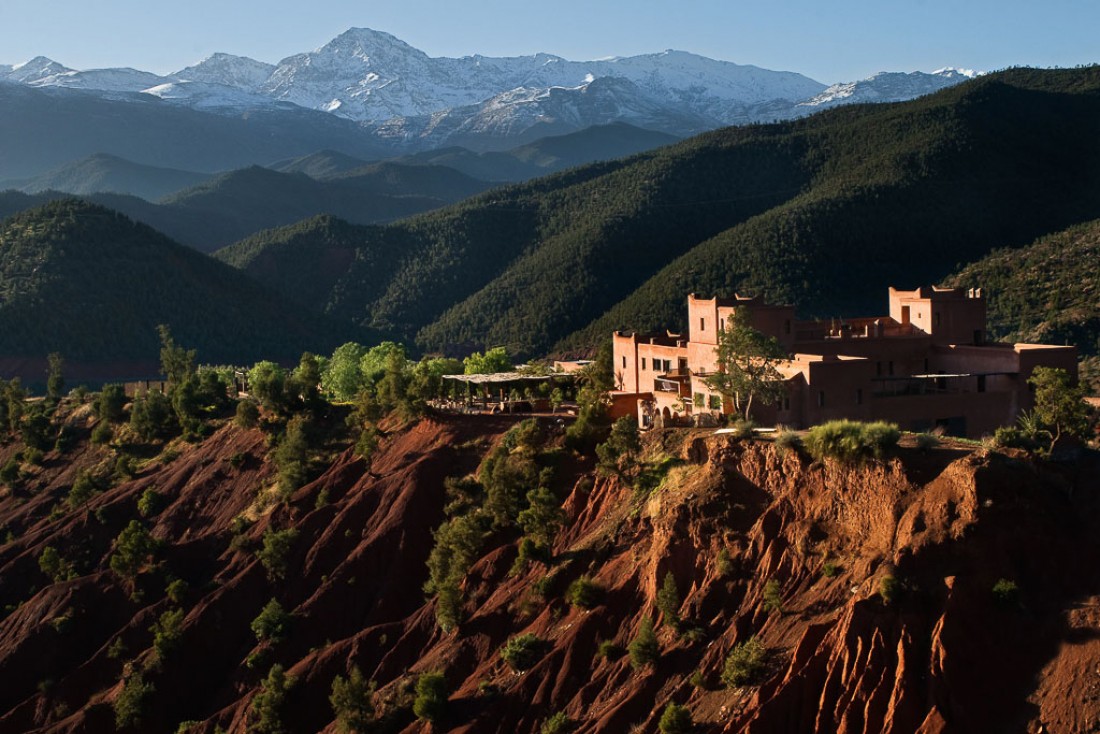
{"type": "Point", "coordinates": [747, 365]}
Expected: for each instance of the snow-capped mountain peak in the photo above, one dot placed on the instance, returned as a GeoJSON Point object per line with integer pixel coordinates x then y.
{"type": "Point", "coordinates": [33, 70]}
{"type": "Point", "coordinates": [229, 70]}
{"type": "Point", "coordinates": [367, 43]}
{"type": "Point", "coordinates": [888, 86]}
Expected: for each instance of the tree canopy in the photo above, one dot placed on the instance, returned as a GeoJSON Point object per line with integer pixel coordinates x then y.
{"type": "Point", "coordinates": [748, 364]}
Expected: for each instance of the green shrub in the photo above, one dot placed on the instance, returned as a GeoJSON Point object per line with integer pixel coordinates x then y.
{"type": "Point", "coordinates": [529, 552]}
{"type": "Point", "coordinates": [543, 516]}
{"type": "Point", "coordinates": [431, 697]}
{"type": "Point", "coordinates": [559, 723]}
{"type": "Point", "coordinates": [125, 467]}
{"type": "Point", "coordinates": [267, 705]}
{"type": "Point", "coordinates": [723, 563]}
{"type": "Point", "coordinates": [133, 549]}
{"type": "Point", "coordinates": [51, 562]}
{"type": "Point", "coordinates": [745, 664]}
{"type": "Point", "coordinates": [176, 591]}
{"type": "Point", "coordinates": [351, 702]}
{"type": "Point", "coordinates": [675, 720]}
{"type": "Point", "coordinates": [889, 588]}
{"type": "Point", "coordinates": [698, 680]}
{"type": "Point", "coordinates": [153, 416]}
{"type": "Point", "coordinates": [110, 402]}
{"type": "Point", "coordinates": [644, 649]}
{"type": "Point", "coordinates": [584, 593]}
{"type": "Point", "coordinates": [248, 414]}
{"type": "Point", "coordinates": [829, 569]}
{"type": "Point", "coordinates": [150, 503]}
{"type": "Point", "coordinates": [66, 439]}
{"type": "Point", "coordinates": [610, 650]}
{"type": "Point", "coordinates": [272, 623]}
{"type": "Point", "coordinates": [668, 601]}
{"type": "Point", "coordinates": [773, 597]}
{"type": "Point", "coordinates": [851, 441]}
{"type": "Point", "coordinates": [167, 631]}
{"type": "Point", "coordinates": [9, 474]}
{"type": "Point", "coordinates": [84, 487]}
{"type": "Point", "coordinates": [457, 542]}
{"type": "Point", "coordinates": [130, 704]}
{"type": "Point", "coordinates": [521, 652]}
{"type": "Point", "coordinates": [116, 649]}
{"type": "Point", "coordinates": [33, 456]}
{"type": "Point", "coordinates": [787, 440]}
{"type": "Point", "coordinates": [276, 549]}
{"type": "Point", "coordinates": [881, 438]}
{"type": "Point", "coordinates": [1011, 437]}
{"type": "Point", "coordinates": [742, 429]}
{"type": "Point", "coordinates": [102, 433]}
{"type": "Point", "coordinates": [1006, 593]}
{"type": "Point", "coordinates": [926, 441]}
{"type": "Point", "coordinates": [618, 455]}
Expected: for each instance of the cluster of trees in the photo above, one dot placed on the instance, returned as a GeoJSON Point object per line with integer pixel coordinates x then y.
{"type": "Point", "coordinates": [513, 491]}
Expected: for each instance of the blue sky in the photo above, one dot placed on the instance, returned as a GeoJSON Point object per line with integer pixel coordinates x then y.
{"type": "Point", "coordinates": [829, 41]}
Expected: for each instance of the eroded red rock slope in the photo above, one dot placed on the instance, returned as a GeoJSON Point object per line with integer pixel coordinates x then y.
{"type": "Point", "coordinates": [945, 656]}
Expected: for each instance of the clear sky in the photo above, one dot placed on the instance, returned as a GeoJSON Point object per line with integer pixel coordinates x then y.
{"type": "Point", "coordinates": [833, 41]}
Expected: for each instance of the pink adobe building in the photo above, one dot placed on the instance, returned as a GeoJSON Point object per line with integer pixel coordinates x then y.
{"type": "Point", "coordinates": [925, 365]}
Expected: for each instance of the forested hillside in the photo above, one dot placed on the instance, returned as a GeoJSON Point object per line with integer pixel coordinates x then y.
{"type": "Point", "coordinates": [824, 212]}
{"type": "Point", "coordinates": [1047, 292]}
{"type": "Point", "coordinates": [93, 285]}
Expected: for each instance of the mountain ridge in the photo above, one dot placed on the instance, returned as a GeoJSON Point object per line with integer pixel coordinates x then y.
{"type": "Point", "coordinates": [411, 101]}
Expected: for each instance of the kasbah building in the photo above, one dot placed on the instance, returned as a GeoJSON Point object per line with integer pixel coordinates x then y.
{"type": "Point", "coordinates": [927, 365]}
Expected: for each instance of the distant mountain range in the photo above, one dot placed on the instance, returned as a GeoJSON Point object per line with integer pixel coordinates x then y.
{"type": "Point", "coordinates": [210, 211]}
{"type": "Point", "coordinates": [395, 99]}
{"type": "Point", "coordinates": [823, 212]}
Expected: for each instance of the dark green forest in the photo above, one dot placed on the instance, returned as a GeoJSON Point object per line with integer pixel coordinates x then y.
{"type": "Point", "coordinates": [93, 285]}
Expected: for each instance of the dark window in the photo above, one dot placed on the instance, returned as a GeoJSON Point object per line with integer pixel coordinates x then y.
{"type": "Point", "coordinates": [715, 402]}
{"type": "Point", "coordinates": [643, 363]}
{"type": "Point", "coordinates": [878, 369]}
{"type": "Point", "coordinates": [702, 324]}
{"type": "Point", "coordinates": [981, 383]}
{"type": "Point", "coordinates": [926, 365]}
{"type": "Point", "coordinates": [938, 318]}
{"type": "Point", "coordinates": [787, 326]}
{"type": "Point", "coordinates": [978, 337]}
{"type": "Point", "coordinates": [624, 360]}
{"type": "Point", "coordinates": [821, 399]}
{"type": "Point", "coordinates": [859, 396]}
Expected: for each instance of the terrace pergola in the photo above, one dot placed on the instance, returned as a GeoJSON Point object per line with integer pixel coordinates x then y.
{"type": "Point", "coordinates": [497, 387]}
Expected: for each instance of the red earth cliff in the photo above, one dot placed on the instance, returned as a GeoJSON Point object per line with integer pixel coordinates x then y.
{"type": "Point", "coordinates": [945, 654]}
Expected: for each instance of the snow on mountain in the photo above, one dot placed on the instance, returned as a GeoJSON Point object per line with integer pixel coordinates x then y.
{"type": "Point", "coordinates": [227, 70]}
{"type": "Point", "coordinates": [209, 96]}
{"type": "Point", "coordinates": [368, 75]}
{"type": "Point", "coordinates": [104, 80]}
{"type": "Point", "coordinates": [402, 95]}
{"type": "Point", "coordinates": [31, 71]}
{"type": "Point", "coordinates": [888, 86]}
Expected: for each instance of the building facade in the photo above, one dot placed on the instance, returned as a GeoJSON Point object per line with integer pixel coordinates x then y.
{"type": "Point", "coordinates": [926, 364]}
